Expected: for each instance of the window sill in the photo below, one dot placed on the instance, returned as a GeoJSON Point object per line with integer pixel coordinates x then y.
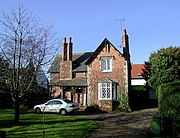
{"type": "Point", "coordinates": [105, 99]}
{"type": "Point", "coordinates": [104, 71]}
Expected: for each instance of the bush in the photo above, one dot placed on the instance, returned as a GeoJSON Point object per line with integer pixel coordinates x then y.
{"type": "Point", "coordinates": [168, 100]}
{"type": "Point", "coordinates": [94, 109]}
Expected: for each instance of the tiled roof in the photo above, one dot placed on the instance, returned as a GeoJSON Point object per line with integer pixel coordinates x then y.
{"type": "Point", "coordinates": [137, 71]}
{"type": "Point", "coordinates": [79, 60]}
{"type": "Point", "coordinates": [73, 82]}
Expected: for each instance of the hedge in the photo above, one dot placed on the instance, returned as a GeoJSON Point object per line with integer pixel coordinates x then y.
{"type": "Point", "coordinates": [169, 100]}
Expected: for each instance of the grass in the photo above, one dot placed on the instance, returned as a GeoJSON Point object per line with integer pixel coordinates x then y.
{"type": "Point", "coordinates": [55, 125]}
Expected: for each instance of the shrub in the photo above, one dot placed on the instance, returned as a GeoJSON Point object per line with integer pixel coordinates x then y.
{"type": "Point", "coordinates": [94, 109]}
{"type": "Point", "coordinates": [168, 100]}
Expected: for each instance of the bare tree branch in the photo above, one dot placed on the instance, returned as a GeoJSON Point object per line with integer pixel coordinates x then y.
{"type": "Point", "coordinates": [27, 46]}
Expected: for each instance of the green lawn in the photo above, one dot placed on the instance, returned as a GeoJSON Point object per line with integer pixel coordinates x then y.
{"type": "Point", "coordinates": [55, 125]}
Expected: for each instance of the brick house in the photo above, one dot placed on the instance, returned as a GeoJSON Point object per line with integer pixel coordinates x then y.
{"type": "Point", "coordinates": [92, 78]}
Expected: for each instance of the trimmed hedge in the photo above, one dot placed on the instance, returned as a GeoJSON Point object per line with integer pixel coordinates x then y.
{"type": "Point", "coordinates": [169, 100]}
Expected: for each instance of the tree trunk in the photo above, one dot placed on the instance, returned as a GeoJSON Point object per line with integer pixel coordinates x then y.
{"type": "Point", "coordinates": [16, 113]}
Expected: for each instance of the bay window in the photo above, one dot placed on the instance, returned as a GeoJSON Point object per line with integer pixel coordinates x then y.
{"type": "Point", "coordinates": [107, 90]}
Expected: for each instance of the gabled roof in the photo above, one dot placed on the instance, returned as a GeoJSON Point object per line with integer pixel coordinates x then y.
{"type": "Point", "coordinates": [99, 48]}
{"type": "Point", "coordinates": [79, 60]}
{"type": "Point", "coordinates": [137, 71]}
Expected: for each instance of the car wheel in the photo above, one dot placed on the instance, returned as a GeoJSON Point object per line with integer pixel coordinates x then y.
{"type": "Point", "coordinates": [63, 111]}
{"type": "Point", "coordinates": [37, 110]}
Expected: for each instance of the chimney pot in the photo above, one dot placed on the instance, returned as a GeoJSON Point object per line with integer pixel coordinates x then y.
{"type": "Point", "coordinates": [70, 39]}
{"type": "Point", "coordinates": [125, 33]}
{"type": "Point", "coordinates": [64, 39]}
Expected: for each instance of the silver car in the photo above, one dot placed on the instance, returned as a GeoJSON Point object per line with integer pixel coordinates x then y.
{"type": "Point", "coordinates": [61, 106]}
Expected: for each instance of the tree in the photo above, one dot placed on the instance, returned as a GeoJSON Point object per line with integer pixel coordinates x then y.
{"type": "Point", "coordinates": [164, 66]}
{"type": "Point", "coordinates": [25, 44]}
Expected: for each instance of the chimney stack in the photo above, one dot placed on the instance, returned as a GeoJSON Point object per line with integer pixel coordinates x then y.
{"type": "Point", "coordinates": [64, 50]}
{"type": "Point", "coordinates": [69, 50]}
{"type": "Point", "coordinates": [125, 42]}
{"type": "Point", "coordinates": [66, 63]}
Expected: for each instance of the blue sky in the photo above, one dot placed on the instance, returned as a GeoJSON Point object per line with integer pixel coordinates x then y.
{"type": "Point", "coordinates": [150, 24]}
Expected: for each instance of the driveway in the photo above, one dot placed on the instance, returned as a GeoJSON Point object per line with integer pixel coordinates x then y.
{"type": "Point", "coordinates": [134, 124]}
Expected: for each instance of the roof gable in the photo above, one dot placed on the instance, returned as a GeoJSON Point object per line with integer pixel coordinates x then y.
{"type": "Point", "coordinates": [80, 60]}
{"type": "Point", "coordinates": [99, 49]}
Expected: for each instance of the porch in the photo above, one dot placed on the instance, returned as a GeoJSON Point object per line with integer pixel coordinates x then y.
{"type": "Point", "coordinates": [74, 90]}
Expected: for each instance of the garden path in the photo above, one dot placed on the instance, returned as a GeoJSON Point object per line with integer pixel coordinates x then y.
{"type": "Point", "coordinates": [133, 124]}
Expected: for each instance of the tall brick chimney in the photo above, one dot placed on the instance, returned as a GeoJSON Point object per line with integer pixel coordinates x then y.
{"type": "Point", "coordinates": [64, 50]}
{"type": "Point", "coordinates": [66, 62]}
{"type": "Point", "coordinates": [127, 65]}
{"type": "Point", "coordinates": [69, 49]}
{"type": "Point", "coordinates": [125, 41]}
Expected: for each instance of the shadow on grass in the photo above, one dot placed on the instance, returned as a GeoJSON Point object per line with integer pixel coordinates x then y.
{"type": "Point", "coordinates": [27, 122]}
{"type": "Point", "coordinates": [123, 118]}
{"type": "Point", "coordinates": [6, 123]}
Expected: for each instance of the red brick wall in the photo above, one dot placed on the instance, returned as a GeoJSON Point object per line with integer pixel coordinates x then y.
{"type": "Point", "coordinates": [66, 70]}
{"type": "Point", "coordinates": [79, 74]}
{"type": "Point", "coordinates": [117, 73]}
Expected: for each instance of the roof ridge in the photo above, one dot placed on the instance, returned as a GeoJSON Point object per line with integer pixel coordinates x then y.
{"type": "Point", "coordinates": [76, 53]}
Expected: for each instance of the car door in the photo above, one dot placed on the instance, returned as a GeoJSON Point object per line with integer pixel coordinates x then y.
{"type": "Point", "coordinates": [49, 106]}
{"type": "Point", "coordinates": [56, 106]}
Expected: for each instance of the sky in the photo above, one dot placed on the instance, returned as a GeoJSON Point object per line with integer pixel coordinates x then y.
{"type": "Point", "coordinates": [150, 24]}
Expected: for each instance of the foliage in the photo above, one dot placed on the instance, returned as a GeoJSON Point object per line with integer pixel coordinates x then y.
{"type": "Point", "coordinates": [3, 80]}
{"type": "Point", "coordinates": [27, 46]}
{"type": "Point", "coordinates": [93, 109]}
{"type": "Point", "coordinates": [35, 96]}
{"type": "Point", "coordinates": [123, 102]}
{"type": "Point", "coordinates": [169, 97]}
{"type": "Point", "coordinates": [138, 88]}
{"type": "Point", "coordinates": [5, 100]}
{"type": "Point", "coordinates": [164, 66]}
{"type": "Point", "coordinates": [55, 125]}
{"type": "Point", "coordinates": [146, 70]}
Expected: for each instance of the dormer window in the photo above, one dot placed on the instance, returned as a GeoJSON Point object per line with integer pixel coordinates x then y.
{"type": "Point", "coordinates": [106, 64]}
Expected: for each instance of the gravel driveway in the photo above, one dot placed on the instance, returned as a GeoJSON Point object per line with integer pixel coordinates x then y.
{"type": "Point", "coordinates": [134, 124]}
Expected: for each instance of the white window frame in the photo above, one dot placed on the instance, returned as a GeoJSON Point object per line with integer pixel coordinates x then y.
{"type": "Point", "coordinates": [105, 86]}
{"type": "Point", "coordinates": [112, 90]}
{"type": "Point", "coordinates": [108, 64]}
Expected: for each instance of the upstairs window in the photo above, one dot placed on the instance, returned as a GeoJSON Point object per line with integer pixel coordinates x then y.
{"type": "Point", "coordinates": [106, 64]}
